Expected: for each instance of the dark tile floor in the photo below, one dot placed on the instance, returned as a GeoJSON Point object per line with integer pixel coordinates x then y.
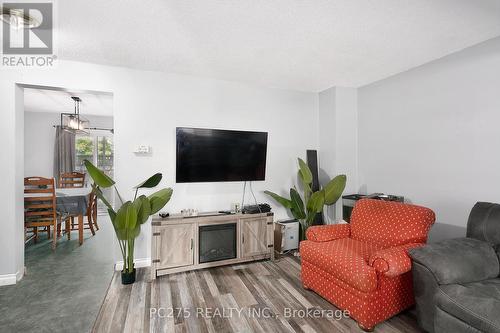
{"type": "Point", "coordinates": [62, 291]}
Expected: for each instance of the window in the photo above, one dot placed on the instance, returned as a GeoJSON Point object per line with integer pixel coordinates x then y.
{"type": "Point", "coordinates": [105, 154]}
{"type": "Point", "coordinates": [98, 150]}
{"type": "Point", "coordinates": [84, 150]}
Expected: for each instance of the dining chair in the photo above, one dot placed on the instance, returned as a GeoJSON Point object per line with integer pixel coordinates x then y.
{"type": "Point", "coordinates": [91, 223]}
{"type": "Point", "coordinates": [92, 210]}
{"type": "Point", "coordinates": [71, 179]}
{"type": "Point", "coordinates": [40, 207]}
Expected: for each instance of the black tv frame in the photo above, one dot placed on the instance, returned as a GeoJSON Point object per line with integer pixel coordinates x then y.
{"type": "Point", "coordinates": [221, 130]}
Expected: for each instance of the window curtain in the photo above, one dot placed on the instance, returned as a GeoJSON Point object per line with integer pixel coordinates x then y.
{"type": "Point", "coordinates": [64, 152]}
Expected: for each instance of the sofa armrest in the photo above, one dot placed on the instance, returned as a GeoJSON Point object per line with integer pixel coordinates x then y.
{"type": "Point", "coordinates": [459, 260]}
{"type": "Point", "coordinates": [393, 261]}
{"type": "Point", "coordinates": [325, 233]}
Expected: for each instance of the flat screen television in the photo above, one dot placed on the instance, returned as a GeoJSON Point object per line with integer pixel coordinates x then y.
{"type": "Point", "coordinates": [213, 155]}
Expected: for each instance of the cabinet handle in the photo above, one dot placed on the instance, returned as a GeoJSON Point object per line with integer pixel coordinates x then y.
{"type": "Point", "coordinates": [243, 238]}
{"type": "Point", "coordinates": [191, 243]}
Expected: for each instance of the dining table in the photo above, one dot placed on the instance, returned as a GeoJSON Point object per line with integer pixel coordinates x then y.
{"type": "Point", "coordinates": [74, 201]}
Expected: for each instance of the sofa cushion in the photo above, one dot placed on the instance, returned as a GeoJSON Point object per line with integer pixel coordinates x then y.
{"type": "Point", "coordinates": [477, 303]}
{"type": "Point", "coordinates": [460, 260]}
{"type": "Point", "coordinates": [484, 222]}
{"type": "Point", "coordinates": [497, 249]}
{"type": "Point", "coordinates": [346, 259]}
{"type": "Point", "coordinates": [445, 322]}
{"type": "Point", "coordinates": [390, 223]}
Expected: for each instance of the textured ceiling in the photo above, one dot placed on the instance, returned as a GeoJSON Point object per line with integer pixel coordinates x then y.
{"type": "Point", "coordinates": [307, 45]}
{"type": "Point", "coordinates": [42, 100]}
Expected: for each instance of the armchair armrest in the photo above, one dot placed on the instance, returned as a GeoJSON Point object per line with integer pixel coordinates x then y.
{"type": "Point", "coordinates": [460, 260]}
{"type": "Point", "coordinates": [325, 233]}
{"type": "Point", "coordinates": [393, 261]}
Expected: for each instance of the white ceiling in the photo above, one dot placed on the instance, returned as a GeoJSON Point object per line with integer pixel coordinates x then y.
{"type": "Point", "coordinates": [56, 101]}
{"type": "Point", "coordinates": [306, 45]}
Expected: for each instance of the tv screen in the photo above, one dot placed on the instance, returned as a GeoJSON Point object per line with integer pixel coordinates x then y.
{"type": "Point", "coordinates": [211, 155]}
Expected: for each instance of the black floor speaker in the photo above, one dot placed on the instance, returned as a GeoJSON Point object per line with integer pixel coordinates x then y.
{"type": "Point", "coordinates": [312, 162]}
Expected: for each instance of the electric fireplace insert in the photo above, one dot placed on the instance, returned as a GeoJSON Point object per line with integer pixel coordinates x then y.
{"type": "Point", "coordinates": [217, 242]}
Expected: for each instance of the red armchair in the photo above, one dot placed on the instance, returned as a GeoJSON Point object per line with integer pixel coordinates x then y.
{"type": "Point", "coordinates": [364, 266]}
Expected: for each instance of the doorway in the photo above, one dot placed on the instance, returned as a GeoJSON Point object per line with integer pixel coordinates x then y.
{"type": "Point", "coordinates": [72, 278]}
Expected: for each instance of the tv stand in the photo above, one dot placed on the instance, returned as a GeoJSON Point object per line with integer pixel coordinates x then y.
{"type": "Point", "coordinates": [176, 245]}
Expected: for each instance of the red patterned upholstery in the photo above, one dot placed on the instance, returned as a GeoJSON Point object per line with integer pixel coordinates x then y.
{"type": "Point", "coordinates": [364, 266]}
{"type": "Point", "coordinates": [327, 233]}
{"type": "Point", "coordinates": [393, 261]}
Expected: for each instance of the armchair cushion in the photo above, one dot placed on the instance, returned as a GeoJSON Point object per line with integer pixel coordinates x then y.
{"type": "Point", "coordinates": [459, 260]}
{"type": "Point", "coordinates": [393, 261]}
{"type": "Point", "coordinates": [325, 233]}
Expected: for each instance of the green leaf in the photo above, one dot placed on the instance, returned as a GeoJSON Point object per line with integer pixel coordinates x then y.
{"type": "Point", "coordinates": [97, 175]}
{"type": "Point", "coordinates": [126, 217]}
{"type": "Point", "coordinates": [100, 196]}
{"type": "Point", "coordinates": [112, 215]}
{"type": "Point", "coordinates": [297, 208]}
{"type": "Point", "coordinates": [283, 201]}
{"type": "Point", "coordinates": [305, 186]}
{"type": "Point", "coordinates": [143, 207]}
{"type": "Point", "coordinates": [159, 199]}
{"type": "Point", "coordinates": [305, 172]}
{"type": "Point", "coordinates": [333, 190]}
{"type": "Point", "coordinates": [133, 234]}
{"type": "Point", "coordinates": [310, 218]}
{"type": "Point", "coordinates": [151, 182]}
{"type": "Point", "coordinates": [121, 234]}
{"type": "Point", "coordinates": [316, 202]}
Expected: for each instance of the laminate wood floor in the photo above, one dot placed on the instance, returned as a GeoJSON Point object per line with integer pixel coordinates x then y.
{"type": "Point", "coordinates": [254, 297]}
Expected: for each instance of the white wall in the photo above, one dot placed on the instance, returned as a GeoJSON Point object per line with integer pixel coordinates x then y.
{"type": "Point", "coordinates": [39, 137]}
{"type": "Point", "coordinates": [338, 141]}
{"type": "Point", "coordinates": [147, 108]}
{"type": "Point", "coordinates": [432, 134]}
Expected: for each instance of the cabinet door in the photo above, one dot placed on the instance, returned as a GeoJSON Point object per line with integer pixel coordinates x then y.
{"type": "Point", "coordinates": [175, 245]}
{"type": "Point", "coordinates": [253, 237]}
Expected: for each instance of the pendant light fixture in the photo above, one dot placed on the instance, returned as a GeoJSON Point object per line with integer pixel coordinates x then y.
{"type": "Point", "coordinates": [74, 122]}
{"type": "Point", "coordinates": [18, 18]}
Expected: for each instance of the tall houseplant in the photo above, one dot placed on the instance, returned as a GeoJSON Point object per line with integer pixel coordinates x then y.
{"type": "Point", "coordinates": [129, 217]}
{"type": "Point", "coordinates": [305, 208]}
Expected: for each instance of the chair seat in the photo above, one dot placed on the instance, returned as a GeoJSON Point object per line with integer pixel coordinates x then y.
{"type": "Point", "coordinates": [477, 303]}
{"type": "Point", "coordinates": [346, 259]}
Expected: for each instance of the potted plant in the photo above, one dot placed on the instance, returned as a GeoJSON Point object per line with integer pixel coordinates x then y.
{"type": "Point", "coordinates": [305, 208]}
{"type": "Point", "coordinates": [129, 217]}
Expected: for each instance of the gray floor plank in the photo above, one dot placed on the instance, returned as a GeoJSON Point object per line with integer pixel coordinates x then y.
{"type": "Point", "coordinates": [246, 291]}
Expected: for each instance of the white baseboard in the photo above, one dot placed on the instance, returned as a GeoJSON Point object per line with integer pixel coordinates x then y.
{"type": "Point", "coordinates": [138, 263]}
{"type": "Point", "coordinates": [8, 279]}
{"type": "Point", "coordinates": [20, 275]}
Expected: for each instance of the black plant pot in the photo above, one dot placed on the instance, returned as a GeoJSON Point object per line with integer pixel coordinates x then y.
{"type": "Point", "coordinates": [128, 278]}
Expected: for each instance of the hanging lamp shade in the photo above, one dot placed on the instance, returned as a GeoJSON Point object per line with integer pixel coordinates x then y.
{"type": "Point", "coordinates": [74, 122]}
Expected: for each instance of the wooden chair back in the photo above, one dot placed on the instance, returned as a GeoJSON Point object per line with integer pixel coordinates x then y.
{"type": "Point", "coordinates": [39, 202]}
{"type": "Point", "coordinates": [92, 210]}
{"type": "Point", "coordinates": [71, 179]}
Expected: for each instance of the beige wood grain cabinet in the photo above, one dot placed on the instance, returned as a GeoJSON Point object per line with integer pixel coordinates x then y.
{"type": "Point", "coordinates": [253, 237]}
{"type": "Point", "coordinates": [181, 244]}
{"type": "Point", "coordinates": [180, 249]}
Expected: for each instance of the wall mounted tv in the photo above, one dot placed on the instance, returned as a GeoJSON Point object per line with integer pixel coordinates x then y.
{"type": "Point", "coordinates": [212, 155]}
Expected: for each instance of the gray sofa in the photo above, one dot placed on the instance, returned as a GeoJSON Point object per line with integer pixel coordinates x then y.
{"type": "Point", "coordinates": [456, 281]}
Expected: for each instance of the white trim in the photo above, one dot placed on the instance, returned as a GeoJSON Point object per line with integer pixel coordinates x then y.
{"type": "Point", "coordinates": [8, 279]}
{"type": "Point", "coordinates": [20, 275]}
{"type": "Point", "coordinates": [138, 263]}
